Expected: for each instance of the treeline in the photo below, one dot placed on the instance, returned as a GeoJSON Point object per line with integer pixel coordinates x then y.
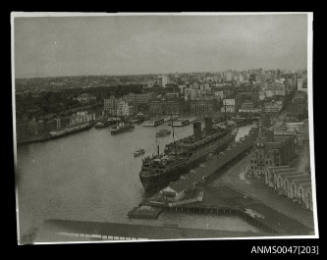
{"type": "Point", "coordinates": [40, 104]}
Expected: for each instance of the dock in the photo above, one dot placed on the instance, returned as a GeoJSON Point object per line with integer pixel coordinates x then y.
{"type": "Point", "coordinates": [225, 201]}
{"type": "Point", "coordinates": [61, 230]}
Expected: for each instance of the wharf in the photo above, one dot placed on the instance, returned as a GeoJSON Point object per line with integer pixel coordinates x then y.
{"type": "Point", "coordinates": [57, 230]}
{"type": "Point", "coordinates": [34, 139]}
{"type": "Point", "coordinates": [224, 201]}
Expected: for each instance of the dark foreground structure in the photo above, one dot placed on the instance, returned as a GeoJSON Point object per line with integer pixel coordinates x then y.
{"type": "Point", "coordinates": [66, 230]}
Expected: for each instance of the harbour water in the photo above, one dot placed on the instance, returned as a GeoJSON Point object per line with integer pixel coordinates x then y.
{"type": "Point", "coordinates": [93, 176]}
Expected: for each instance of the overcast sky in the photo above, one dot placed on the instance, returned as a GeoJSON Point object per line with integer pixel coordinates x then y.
{"type": "Point", "coordinates": [110, 45]}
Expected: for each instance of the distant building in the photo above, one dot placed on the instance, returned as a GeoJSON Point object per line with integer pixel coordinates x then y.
{"type": "Point", "coordinates": [172, 95]}
{"type": "Point", "coordinates": [191, 93]}
{"type": "Point", "coordinates": [228, 76]}
{"type": "Point", "coordinates": [298, 108]}
{"type": "Point", "coordinates": [81, 117]}
{"type": "Point", "coordinates": [271, 150]}
{"type": "Point", "coordinates": [117, 107]}
{"type": "Point", "coordinates": [164, 80]}
{"type": "Point", "coordinates": [249, 108]}
{"type": "Point", "coordinates": [138, 98]}
{"type": "Point", "coordinates": [110, 106]}
{"type": "Point", "coordinates": [273, 107]}
{"type": "Point", "coordinates": [202, 106]}
{"type": "Point", "coordinates": [85, 98]}
{"type": "Point", "coordinates": [301, 84]}
{"type": "Point", "coordinates": [219, 94]}
{"type": "Point", "coordinates": [229, 105]}
{"type": "Point", "coordinates": [123, 109]}
{"type": "Point", "coordinates": [165, 107]}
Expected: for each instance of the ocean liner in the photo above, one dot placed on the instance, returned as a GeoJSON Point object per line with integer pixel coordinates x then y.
{"type": "Point", "coordinates": [181, 156]}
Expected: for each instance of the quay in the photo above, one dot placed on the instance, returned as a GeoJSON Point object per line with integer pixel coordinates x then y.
{"type": "Point", "coordinates": [222, 200]}
{"type": "Point", "coordinates": [225, 201]}
{"type": "Point", "coordinates": [59, 230]}
{"type": "Point", "coordinates": [200, 175]}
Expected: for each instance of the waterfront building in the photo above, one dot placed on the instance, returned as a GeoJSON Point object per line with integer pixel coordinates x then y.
{"type": "Point", "coordinates": [165, 107]}
{"type": "Point", "coordinates": [123, 109]}
{"type": "Point", "coordinates": [117, 107]}
{"type": "Point", "coordinates": [58, 122]}
{"type": "Point", "coordinates": [174, 192]}
{"type": "Point", "coordinates": [289, 182]}
{"type": "Point", "coordinates": [81, 117]}
{"type": "Point", "coordinates": [202, 106]}
{"type": "Point", "coordinates": [110, 106]}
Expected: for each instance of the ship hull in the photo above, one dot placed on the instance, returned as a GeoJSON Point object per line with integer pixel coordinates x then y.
{"type": "Point", "coordinates": [154, 182]}
{"type": "Point", "coordinates": [73, 130]}
{"type": "Point", "coordinates": [121, 130]}
{"type": "Point", "coordinates": [48, 137]}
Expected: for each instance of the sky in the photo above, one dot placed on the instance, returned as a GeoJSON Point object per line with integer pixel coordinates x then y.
{"type": "Point", "coordinates": [119, 45]}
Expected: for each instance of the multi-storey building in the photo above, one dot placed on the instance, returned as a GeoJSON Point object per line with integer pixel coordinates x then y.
{"type": "Point", "coordinates": [271, 150]}
{"type": "Point", "coordinates": [117, 107]}
{"type": "Point", "coordinates": [202, 106]}
{"type": "Point", "coordinates": [138, 98]}
{"type": "Point", "coordinates": [165, 107]}
{"type": "Point", "coordinates": [229, 105]}
{"type": "Point", "coordinates": [273, 107]}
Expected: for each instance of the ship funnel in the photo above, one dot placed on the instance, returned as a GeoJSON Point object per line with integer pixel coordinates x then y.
{"type": "Point", "coordinates": [208, 124]}
{"type": "Point", "coordinates": [270, 135]}
{"type": "Point", "coordinates": [197, 129]}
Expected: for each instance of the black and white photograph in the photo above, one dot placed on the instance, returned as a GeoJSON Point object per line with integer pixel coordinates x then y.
{"type": "Point", "coordinates": [140, 127]}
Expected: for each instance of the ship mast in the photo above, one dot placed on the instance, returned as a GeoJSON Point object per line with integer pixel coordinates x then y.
{"type": "Point", "coordinates": [156, 138]}
{"type": "Point", "coordinates": [172, 126]}
{"type": "Point", "coordinates": [225, 105]}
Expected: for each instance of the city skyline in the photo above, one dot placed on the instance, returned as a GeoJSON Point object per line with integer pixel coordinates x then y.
{"type": "Point", "coordinates": [135, 45]}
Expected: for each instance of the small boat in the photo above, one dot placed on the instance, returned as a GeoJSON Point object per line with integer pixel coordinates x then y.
{"type": "Point", "coordinates": [100, 125]}
{"type": "Point", "coordinates": [163, 132]}
{"type": "Point", "coordinates": [139, 152]}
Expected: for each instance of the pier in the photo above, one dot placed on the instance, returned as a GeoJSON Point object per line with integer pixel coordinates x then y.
{"type": "Point", "coordinates": [59, 230]}
{"type": "Point", "coordinates": [224, 201]}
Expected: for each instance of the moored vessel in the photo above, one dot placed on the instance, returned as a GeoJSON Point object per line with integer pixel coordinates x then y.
{"type": "Point", "coordinates": [121, 128]}
{"type": "Point", "coordinates": [182, 155]}
{"type": "Point", "coordinates": [154, 123]}
{"type": "Point", "coordinates": [139, 152]}
{"type": "Point", "coordinates": [70, 130]}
